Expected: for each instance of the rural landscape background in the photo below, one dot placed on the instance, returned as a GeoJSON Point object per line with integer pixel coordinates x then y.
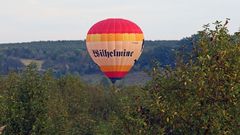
{"type": "Point", "coordinates": [71, 57]}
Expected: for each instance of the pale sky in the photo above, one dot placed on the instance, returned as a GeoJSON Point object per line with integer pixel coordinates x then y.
{"type": "Point", "coordinates": [35, 20]}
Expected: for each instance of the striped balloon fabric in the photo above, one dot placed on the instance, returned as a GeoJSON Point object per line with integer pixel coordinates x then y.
{"type": "Point", "coordinates": [115, 45]}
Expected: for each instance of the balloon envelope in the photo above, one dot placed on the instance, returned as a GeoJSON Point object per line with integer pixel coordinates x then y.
{"type": "Point", "coordinates": [115, 45]}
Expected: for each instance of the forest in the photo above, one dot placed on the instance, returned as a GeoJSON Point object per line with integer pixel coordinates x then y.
{"type": "Point", "coordinates": [194, 88]}
{"type": "Point", "coordinates": [71, 57]}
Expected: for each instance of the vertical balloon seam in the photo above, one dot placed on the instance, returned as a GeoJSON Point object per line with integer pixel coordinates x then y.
{"type": "Point", "coordinates": [108, 31]}
{"type": "Point", "coordinates": [122, 60]}
{"type": "Point", "coordinates": [114, 22]}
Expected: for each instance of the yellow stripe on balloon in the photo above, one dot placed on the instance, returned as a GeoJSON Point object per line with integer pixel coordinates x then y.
{"type": "Point", "coordinates": [114, 37]}
{"type": "Point", "coordinates": [116, 68]}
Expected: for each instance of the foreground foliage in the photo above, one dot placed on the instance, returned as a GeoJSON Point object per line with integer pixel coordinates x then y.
{"type": "Point", "coordinates": [200, 96]}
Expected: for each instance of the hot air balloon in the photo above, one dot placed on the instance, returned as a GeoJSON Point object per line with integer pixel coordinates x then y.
{"type": "Point", "coordinates": [115, 45]}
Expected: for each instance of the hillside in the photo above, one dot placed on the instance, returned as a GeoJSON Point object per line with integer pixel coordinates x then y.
{"type": "Point", "coordinates": [64, 57]}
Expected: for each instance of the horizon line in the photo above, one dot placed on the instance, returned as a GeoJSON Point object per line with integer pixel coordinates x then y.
{"type": "Point", "coordinates": [36, 41]}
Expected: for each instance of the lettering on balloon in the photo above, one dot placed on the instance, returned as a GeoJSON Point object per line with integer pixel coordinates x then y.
{"type": "Point", "coordinates": [114, 53]}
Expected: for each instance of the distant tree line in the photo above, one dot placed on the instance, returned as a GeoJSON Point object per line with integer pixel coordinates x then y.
{"type": "Point", "coordinates": [72, 57]}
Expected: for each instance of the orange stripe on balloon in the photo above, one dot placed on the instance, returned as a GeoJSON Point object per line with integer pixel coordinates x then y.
{"type": "Point", "coordinates": [114, 37]}
{"type": "Point", "coordinates": [116, 68]}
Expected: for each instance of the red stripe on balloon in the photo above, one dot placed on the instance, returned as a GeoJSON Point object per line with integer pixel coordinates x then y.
{"type": "Point", "coordinates": [114, 25]}
{"type": "Point", "coordinates": [115, 74]}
